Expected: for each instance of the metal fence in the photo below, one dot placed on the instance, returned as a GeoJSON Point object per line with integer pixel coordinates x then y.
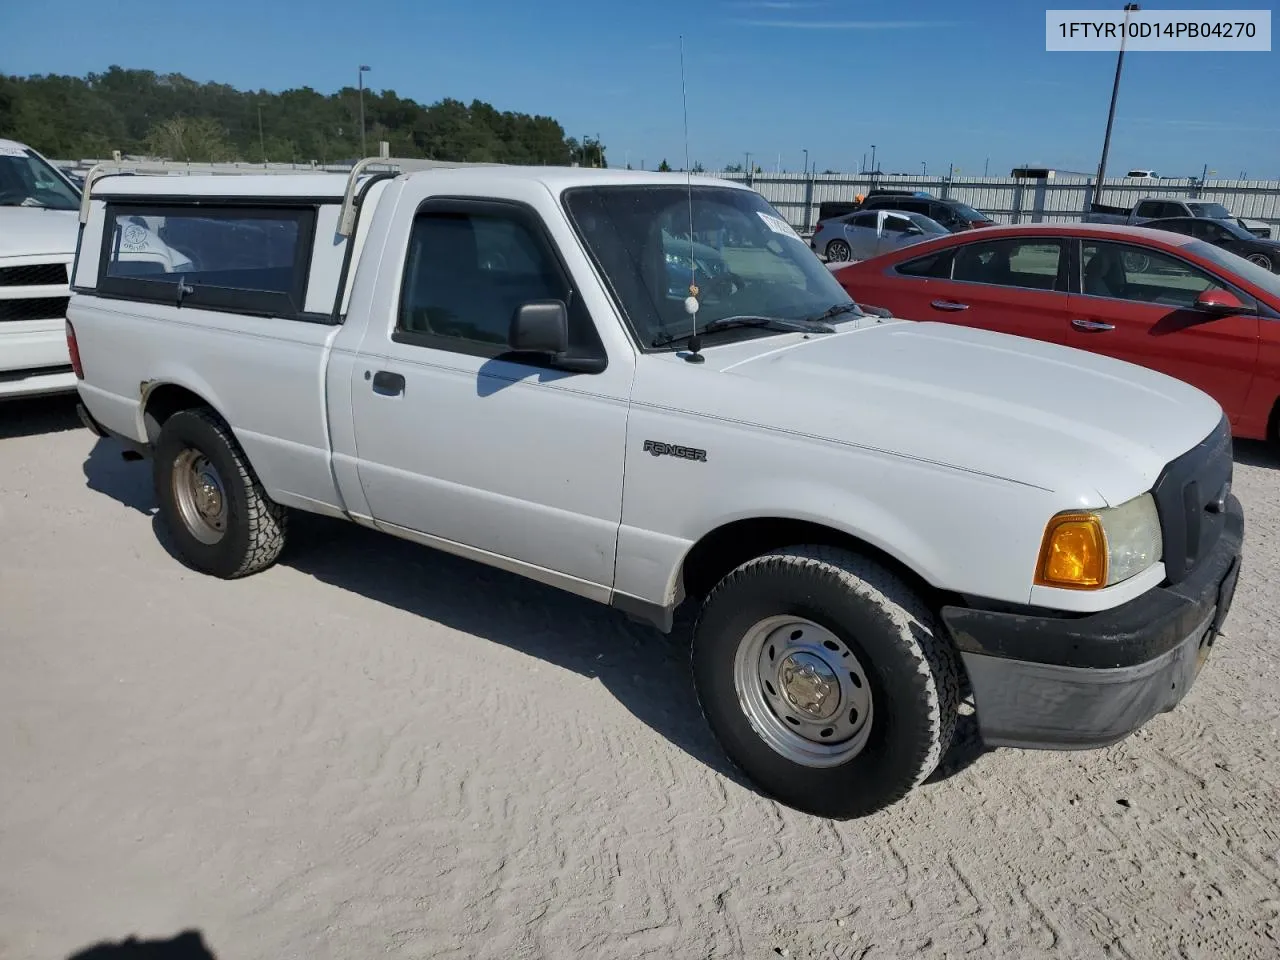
{"type": "Point", "coordinates": [1061, 198]}
{"type": "Point", "coordinates": [797, 196]}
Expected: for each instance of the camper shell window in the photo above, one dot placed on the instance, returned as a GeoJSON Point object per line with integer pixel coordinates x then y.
{"type": "Point", "coordinates": [240, 259]}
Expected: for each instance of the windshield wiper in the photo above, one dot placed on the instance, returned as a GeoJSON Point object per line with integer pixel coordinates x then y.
{"type": "Point", "coordinates": [835, 311]}
{"type": "Point", "coordinates": [731, 323]}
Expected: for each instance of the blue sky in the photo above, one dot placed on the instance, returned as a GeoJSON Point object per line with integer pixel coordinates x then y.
{"type": "Point", "coordinates": [929, 81]}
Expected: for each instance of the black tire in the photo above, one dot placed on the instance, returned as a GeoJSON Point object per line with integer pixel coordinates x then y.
{"type": "Point", "coordinates": [838, 251]}
{"type": "Point", "coordinates": [913, 673]}
{"type": "Point", "coordinates": [1137, 262]}
{"type": "Point", "coordinates": [254, 526]}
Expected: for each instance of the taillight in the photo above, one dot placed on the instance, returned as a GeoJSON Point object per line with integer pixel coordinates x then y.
{"type": "Point", "coordinates": [73, 348]}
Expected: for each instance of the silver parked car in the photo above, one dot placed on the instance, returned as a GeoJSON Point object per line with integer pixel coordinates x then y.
{"type": "Point", "coordinates": [863, 235]}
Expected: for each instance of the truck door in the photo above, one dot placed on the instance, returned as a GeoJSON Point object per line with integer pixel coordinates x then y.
{"type": "Point", "coordinates": [463, 442]}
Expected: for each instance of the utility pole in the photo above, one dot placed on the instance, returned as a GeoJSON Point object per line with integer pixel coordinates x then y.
{"type": "Point", "coordinates": [360, 85]}
{"type": "Point", "coordinates": [262, 142]}
{"type": "Point", "coordinates": [985, 166]}
{"type": "Point", "coordinates": [874, 168]}
{"type": "Point", "coordinates": [1111, 114]}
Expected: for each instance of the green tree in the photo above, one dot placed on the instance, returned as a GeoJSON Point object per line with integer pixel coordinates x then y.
{"type": "Point", "coordinates": [140, 111]}
{"type": "Point", "coordinates": [664, 167]}
{"type": "Point", "coordinates": [187, 138]}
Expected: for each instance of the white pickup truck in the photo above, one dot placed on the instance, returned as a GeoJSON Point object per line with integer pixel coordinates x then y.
{"type": "Point", "coordinates": [877, 517]}
{"type": "Point", "coordinates": [37, 243]}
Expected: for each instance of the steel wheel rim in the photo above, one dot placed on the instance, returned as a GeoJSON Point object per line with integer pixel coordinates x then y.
{"type": "Point", "coordinates": [1260, 259]}
{"type": "Point", "coordinates": [804, 691]}
{"type": "Point", "coordinates": [838, 251]}
{"type": "Point", "coordinates": [200, 495]}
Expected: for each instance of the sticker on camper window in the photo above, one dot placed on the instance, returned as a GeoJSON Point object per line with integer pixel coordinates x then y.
{"type": "Point", "coordinates": [778, 225]}
{"type": "Point", "coordinates": [135, 237]}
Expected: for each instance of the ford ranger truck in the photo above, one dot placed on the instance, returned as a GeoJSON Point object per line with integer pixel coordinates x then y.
{"type": "Point", "coordinates": [874, 518]}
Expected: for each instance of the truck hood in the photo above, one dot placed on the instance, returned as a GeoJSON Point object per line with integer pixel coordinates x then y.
{"type": "Point", "coordinates": [33, 230]}
{"type": "Point", "coordinates": [1036, 413]}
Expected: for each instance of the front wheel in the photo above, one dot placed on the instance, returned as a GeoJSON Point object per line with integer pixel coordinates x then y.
{"type": "Point", "coordinates": [1261, 259]}
{"type": "Point", "coordinates": [822, 675]}
{"type": "Point", "coordinates": [221, 520]}
{"type": "Point", "coordinates": [838, 252]}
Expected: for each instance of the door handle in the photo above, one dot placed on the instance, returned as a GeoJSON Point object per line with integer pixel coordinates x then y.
{"type": "Point", "coordinates": [948, 305]}
{"type": "Point", "coordinates": [388, 384]}
{"type": "Point", "coordinates": [1092, 326]}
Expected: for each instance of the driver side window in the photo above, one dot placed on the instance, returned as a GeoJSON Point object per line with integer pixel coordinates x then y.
{"type": "Point", "coordinates": [469, 268]}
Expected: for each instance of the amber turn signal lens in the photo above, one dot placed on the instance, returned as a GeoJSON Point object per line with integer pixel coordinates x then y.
{"type": "Point", "coordinates": [1073, 553]}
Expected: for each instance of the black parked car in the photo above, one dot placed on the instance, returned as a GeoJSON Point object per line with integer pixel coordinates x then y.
{"type": "Point", "coordinates": [1226, 234]}
{"type": "Point", "coordinates": [952, 214]}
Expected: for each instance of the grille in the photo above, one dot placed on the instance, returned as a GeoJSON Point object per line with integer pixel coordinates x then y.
{"type": "Point", "coordinates": [46, 308]}
{"type": "Point", "coordinates": [1186, 498]}
{"type": "Point", "coordinates": [34, 275]}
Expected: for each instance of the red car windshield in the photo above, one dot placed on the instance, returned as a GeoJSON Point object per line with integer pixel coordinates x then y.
{"type": "Point", "coordinates": [1231, 263]}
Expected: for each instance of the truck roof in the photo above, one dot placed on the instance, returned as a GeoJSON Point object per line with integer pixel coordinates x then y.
{"type": "Point", "coordinates": [333, 185]}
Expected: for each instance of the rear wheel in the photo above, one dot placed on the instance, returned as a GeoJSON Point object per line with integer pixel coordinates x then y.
{"type": "Point", "coordinates": [1136, 262]}
{"type": "Point", "coordinates": [221, 520]}
{"type": "Point", "coordinates": [822, 676]}
{"type": "Point", "coordinates": [1261, 259]}
{"type": "Point", "coordinates": [838, 251]}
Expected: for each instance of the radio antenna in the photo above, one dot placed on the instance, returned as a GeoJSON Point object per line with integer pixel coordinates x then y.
{"type": "Point", "coordinates": [691, 302]}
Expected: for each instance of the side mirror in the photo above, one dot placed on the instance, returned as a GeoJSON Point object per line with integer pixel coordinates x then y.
{"type": "Point", "coordinates": [913, 231]}
{"type": "Point", "coordinates": [1220, 303]}
{"type": "Point", "coordinates": [540, 326]}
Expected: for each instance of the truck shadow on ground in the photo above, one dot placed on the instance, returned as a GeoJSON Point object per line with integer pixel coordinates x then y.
{"type": "Point", "coordinates": [30, 417]}
{"type": "Point", "coordinates": [647, 672]}
{"type": "Point", "coordinates": [1256, 453]}
{"type": "Point", "coordinates": [188, 945]}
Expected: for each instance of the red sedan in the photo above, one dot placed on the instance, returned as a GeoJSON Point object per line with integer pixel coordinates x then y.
{"type": "Point", "coordinates": [1151, 297]}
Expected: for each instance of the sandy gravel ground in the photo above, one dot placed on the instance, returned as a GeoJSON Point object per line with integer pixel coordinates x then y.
{"type": "Point", "coordinates": [373, 749]}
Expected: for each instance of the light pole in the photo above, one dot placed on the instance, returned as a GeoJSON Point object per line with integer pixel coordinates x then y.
{"type": "Point", "coordinates": [806, 163]}
{"type": "Point", "coordinates": [360, 85]}
{"type": "Point", "coordinates": [1111, 114]}
{"type": "Point", "coordinates": [262, 142]}
{"type": "Point", "coordinates": [924, 168]}
{"type": "Point", "coordinates": [874, 168]}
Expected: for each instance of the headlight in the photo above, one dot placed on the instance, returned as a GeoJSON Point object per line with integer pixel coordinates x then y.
{"type": "Point", "coordinates": [1085, 550]}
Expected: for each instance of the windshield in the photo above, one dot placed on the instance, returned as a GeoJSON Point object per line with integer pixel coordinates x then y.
{"type": "Point", "coordinates": [1214, 211]}
{"type": "Point", "coordinates": [926, 224]}
{"type": "Point", "coordinates": [1237, 231]}
{"type": "Point", "coordinates": [1232, 263]}
{"type": "Point", "coordinates": [968, 213]}
{"type": "Point", "coordinates": [744, 260]}
{"type": "Point", "coordinates": [27, 180]}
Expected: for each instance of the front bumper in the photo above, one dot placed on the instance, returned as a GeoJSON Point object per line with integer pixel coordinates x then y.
{"type": "Point", "coordinates": [1080, 682]}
